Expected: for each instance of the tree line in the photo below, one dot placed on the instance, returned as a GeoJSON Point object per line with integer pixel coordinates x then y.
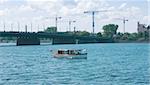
{"type": "Point", "coordinates": [109, 32]}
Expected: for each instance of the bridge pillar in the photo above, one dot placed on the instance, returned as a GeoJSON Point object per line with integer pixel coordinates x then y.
{"type": "Point", "coordinates": [28, 41]}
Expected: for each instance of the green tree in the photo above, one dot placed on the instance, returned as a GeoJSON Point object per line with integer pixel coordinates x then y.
{"type": "Point", "coordinates": [119, 35]}
{"type": "Point", "coordinates": [140, 35]}
{"type": "Point", "coordinates": [99, 34]}
{"type": "Point", "coordinates": [132, 36]}
{"type": "Point", "coordinates": [110, 30]}
{"type": "Point", "coordinates": [82, 33]}
{"type": "Point", "coordinates": [51, 30]}
{"type": "Point", "coordinates": [146, 35]}
{"type": "Point", "coordinates": [125, 36]}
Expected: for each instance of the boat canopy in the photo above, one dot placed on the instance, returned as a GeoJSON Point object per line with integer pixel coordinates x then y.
{"type": "Point", "coordinates": [68, 51]}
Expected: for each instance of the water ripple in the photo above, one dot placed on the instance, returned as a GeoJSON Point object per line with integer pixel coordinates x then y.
{"type": "Point", "coordinates": [107, 64]}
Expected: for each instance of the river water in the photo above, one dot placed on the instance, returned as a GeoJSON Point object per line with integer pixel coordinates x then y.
{"type": "Point", "coordinates": [107, 64]}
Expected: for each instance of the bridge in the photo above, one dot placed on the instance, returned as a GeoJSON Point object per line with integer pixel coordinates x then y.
{"type": "Point", "coordinates": [33, 38]}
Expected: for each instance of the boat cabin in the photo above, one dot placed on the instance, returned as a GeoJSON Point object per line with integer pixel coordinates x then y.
{"type": "Point", "coordinates": [70, 52]}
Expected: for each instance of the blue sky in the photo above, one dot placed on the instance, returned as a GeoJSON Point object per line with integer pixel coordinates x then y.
{"type": "Point", "coordinates": [41, 13]}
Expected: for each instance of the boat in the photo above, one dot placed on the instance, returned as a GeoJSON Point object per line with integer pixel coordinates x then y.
{"type": "Point", "coordinates": [71, 54]}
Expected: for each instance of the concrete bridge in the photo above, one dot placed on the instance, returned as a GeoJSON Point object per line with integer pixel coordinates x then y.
{"type": "Point", "coordinates": [32, 38]}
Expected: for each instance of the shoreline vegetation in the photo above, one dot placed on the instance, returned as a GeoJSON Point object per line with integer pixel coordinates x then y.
{"type": "Point", "coordinates": [109, 32]}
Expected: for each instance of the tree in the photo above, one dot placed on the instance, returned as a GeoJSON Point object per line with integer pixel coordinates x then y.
{"type": "Point", "coordinates": [125, 36]}
{"type": "Point", "coordinates": [119, 35]}
{"type": "Point", "coordinates": [134, 36]}
{"type": "Point", "coordinates": [110, 30]}
{"type": "Point", "coordinates": [99, 34]}
{"type": "Point", "coordinates": [146, 35]}
{"type": "Point", "coordinates": [51, 30]}
{"type": "Point", "coordinates": [140, 35]}
{"type": "Point", "coordinates": [82, 33]}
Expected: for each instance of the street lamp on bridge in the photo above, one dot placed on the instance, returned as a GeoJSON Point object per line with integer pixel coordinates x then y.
{"type": "Point", "coordinates": [4, 25]}
{"type": "Point", "coordinates": [56, 20]}
{"type": "Point", "coordinates": [18, 26]}
{"type": "Point", "coordinates": [11, 26]}
{"type": "Point", "coordinates": [70, 22]}
{"type": "Point", "coordinates": [31, 26]}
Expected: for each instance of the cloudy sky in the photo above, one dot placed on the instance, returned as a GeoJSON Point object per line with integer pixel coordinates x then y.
{"type": "Point", "coordinates": [42, 13]}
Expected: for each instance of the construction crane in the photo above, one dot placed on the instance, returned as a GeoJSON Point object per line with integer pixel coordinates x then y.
{"type": "Point", "coordinates": [124, 22]}
{"type": "Point", "coordinates": [93, 17]}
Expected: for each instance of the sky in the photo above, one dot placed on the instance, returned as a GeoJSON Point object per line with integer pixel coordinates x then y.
{"type": "Point", "coordinates": [39, 14]}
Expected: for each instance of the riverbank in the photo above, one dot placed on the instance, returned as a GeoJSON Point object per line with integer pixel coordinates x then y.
{"type": "Point", "coordinates": [111, 41]}
{"type": "Point", "coordinates": [127, 41]}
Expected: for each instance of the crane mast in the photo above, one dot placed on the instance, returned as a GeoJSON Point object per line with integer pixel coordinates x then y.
{"type": "Point", "coordinates": [93, 18]}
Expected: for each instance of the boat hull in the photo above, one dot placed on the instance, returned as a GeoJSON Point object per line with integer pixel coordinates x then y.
{"type": "Point", "coordinates": [83, 56]}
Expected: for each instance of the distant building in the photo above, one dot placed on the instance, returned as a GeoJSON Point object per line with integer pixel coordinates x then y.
{"type": "Point", "coordinates": [142, 28]}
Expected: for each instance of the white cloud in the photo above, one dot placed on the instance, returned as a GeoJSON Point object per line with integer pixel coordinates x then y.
{"type": "Point", "coordinates": [146, 19]}
{"type": "Point", "coordinates": [25, 8]}
{"type": "Point", "coordinates": [54, 7]}
{"type": "Point", "coordinates": [36, 10]}
{"type": "Point", "coordinates": [122, 5]}
{"type": "Point", "coordinates": [3, 1]}
{"type": "Point", "coordinates": [42, 0]}
{"type": "Point", "coordinates": [1, 13]}
{"type": "Point", "coordinates": [84, 5]}
{"type": "Point", "coordinates": [58, 6]}
{"type": "Point", "coordinates": [45, 5]}
{"type": "Point", "coordinates": [128, 12]}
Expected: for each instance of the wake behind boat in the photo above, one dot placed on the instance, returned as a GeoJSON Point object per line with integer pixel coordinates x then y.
{"type": "Point", "coordinates": [71, 54]}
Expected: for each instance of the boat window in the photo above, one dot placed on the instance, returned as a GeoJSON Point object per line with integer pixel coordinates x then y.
{"type": "Point", "coordinates": [71, 52]}
{"type": "Point", "coordinates": [59, 52]}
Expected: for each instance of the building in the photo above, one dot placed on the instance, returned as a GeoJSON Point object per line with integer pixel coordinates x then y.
{"type": "Point", "coordinates": [141, 28]}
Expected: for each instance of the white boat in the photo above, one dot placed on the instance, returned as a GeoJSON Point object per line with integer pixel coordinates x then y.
{"type": "Point", "coordinates": [70, 54]}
